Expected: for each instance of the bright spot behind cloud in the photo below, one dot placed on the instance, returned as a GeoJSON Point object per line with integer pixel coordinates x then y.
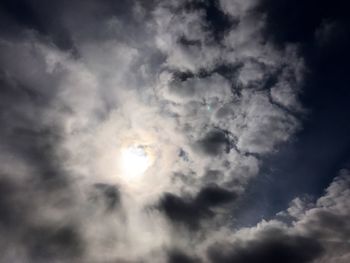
{"type": "Point", "coordinates": [134, 162]}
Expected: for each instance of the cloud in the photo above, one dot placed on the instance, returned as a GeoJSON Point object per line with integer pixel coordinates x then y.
{"type": "Point", "coordinates": [327, 222]}
{"type": "Point", "coordinates": [270, 245]}
{"type": "Point", "coordinates": [190, 211]}
{"type": "Point", "coordinates": [47, 243]}
{"type": "Point", "coordinates": [197, 85]}
{"type": "Point", "coordinates": [109, 194]}
{"type": "Point", "coordinates": [214, 143]}
{"type": "Point", "coordinates": [177, 256]}
{"type": "Point", "coordinates": [318, 232]}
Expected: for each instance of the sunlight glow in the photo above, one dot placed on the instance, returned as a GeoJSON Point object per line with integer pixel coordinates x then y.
{"type": "Point", "coordinates": [134, 161]}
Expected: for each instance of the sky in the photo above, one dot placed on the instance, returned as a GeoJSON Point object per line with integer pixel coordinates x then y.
{"type": "Point", "coordinates": [175, 131]}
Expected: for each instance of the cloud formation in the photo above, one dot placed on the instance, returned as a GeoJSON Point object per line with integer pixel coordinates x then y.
{"type": "Point", "coordinates": [199, 87]}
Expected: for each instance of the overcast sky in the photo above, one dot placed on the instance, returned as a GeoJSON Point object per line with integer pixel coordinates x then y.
{"type": "Point", "coordinates": [176, 131]}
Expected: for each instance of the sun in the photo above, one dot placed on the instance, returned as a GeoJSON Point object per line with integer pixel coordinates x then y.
{"type": "Point", "coordinates": [134, 161]}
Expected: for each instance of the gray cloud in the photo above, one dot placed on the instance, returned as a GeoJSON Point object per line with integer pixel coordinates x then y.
{"type": "Point", "coordinates": [190, 211]}
{"type": "Point", "coordinates": [269, 246]}
{"type": "Point", "coordinates": [177, 256]}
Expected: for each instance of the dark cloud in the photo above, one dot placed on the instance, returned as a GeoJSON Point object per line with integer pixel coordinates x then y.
{"type": "Point", "coordinates": [27, 137]}
{"type": "Point", "coordinates": [181, 210]}
{"type": "Point", "coordinates": [36, 181]}
{"type": "Point", "coordinates": [176, 256]}
{"type": "Point", "coordinates": [215, 143]}
{"type": "Point", "coordinates": [21, 15]}
{"type": "Point", "coordinates": [191, 211]}
{"type": "Point", "coordinates": [58, 22]}
{"type": "Point", "coordinates": [325, 224]}
{"type": "Point", "coordinates": [189, 42]}
{"type": "Point", "coordinates": [213, 195]}
{"type": "Point", "coordinates": [47, 243]}
{"type": "Point", "coordinates": [22, 209]}
{"type": "Point", "coordinates": [12, 211]}
{"type": "Point", "coordinates": [271, 246]}
{"type": "Point", "coordinates": [108, 193]}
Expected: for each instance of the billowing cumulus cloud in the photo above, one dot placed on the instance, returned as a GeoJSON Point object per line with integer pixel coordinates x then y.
{"type": "Point", "coordinates": [131, 131]}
